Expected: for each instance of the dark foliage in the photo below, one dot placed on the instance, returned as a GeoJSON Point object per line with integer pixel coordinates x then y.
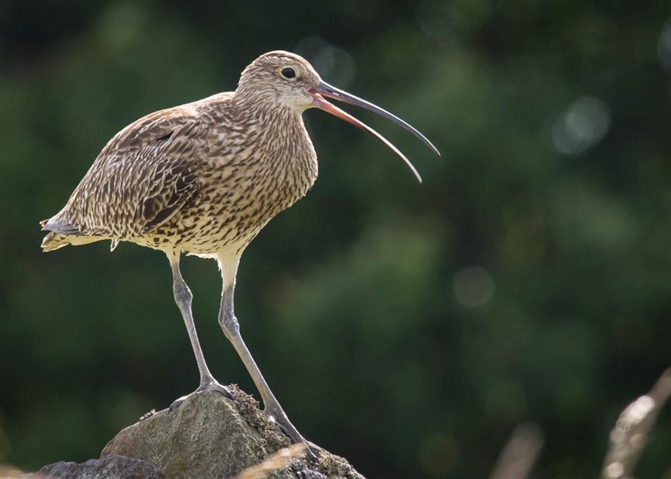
{"type": "Point", "coordinates": [409, 328]}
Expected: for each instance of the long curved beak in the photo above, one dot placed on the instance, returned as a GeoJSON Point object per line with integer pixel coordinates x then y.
{"type": "Point", "coordinates": [328, 91]}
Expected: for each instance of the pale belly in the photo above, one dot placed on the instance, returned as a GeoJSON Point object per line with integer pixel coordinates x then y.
{"type": "Point", "coordinates": [203, 236]}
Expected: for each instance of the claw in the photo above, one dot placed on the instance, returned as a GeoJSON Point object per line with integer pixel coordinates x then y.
{"type": "Point", "coordinates": [281, 419]}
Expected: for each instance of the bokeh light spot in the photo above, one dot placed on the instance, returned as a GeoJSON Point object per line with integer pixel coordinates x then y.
{"type": "Point", "coordinates": [333, 64]}
{"type": "Point", "coordinates": [473, 286]}
{"type": "Point", "coordinates": [121, 24]}
{"type": "Point", "coordinates": [664, 46]}
{"type": "Point", "coordinates": [435, 19]}
{"type": "Point", "coordinates": [581, 127]}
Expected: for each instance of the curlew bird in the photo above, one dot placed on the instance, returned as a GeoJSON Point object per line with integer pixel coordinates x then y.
{"type": "Point", "coordinates": [204, 178]}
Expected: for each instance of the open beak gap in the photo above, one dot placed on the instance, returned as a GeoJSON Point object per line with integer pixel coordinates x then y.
{"type": "Point", "coordinates": [326, 90]}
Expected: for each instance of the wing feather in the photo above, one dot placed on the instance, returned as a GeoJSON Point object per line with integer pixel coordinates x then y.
{"type": "Point", "coordinates": [138, 181]}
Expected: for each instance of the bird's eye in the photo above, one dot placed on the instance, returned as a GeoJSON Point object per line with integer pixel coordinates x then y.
{"type": "Point", "coordinates": [288, 73]}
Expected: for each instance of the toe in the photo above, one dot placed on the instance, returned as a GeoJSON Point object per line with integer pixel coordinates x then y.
{"type": "Point", "coordinates": [215, 386]}
{"type": "Point", "coordinates": [207, 386]}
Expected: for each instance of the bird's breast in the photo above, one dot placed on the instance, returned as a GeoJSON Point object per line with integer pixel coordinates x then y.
{"type": "Point", "coordinates": [242, 187]}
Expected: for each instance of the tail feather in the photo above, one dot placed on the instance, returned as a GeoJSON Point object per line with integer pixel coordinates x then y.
{"type": "Point", "coordinates": [54, 241]}
{"type": "Point", "coordinates": [62, 227]}
{"type": "Point", "coordinates": [63, 234]}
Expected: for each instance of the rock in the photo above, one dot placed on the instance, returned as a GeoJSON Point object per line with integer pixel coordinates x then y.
{"type": "Point", "coordinates": [207, 436]}
{"type": "Point", "coordinates": [108, 467]}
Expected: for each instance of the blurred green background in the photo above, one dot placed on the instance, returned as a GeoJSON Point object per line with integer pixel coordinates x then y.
{"type": "Point", "coordinates": [407, 327]}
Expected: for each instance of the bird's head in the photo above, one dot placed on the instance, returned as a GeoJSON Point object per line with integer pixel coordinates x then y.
{"type": "Point", "coordinates": [289, 80]}
{"type": "Point", "coordinates": [281, 77]}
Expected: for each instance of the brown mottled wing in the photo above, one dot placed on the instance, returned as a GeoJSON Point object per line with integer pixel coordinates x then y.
{"type": "Point", "coordinates": [140, 179]}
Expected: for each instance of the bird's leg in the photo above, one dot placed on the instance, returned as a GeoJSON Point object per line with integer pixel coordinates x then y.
{"type": "Point", "coordinates": [183, 298]}
{"type": "Point", "coordinates": [229, 324]}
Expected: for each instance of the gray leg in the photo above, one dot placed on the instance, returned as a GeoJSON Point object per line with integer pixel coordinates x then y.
{"type": "Point", "coordinates": [183, 298]}
{"type": "Point", "coordinates": [231, 328]}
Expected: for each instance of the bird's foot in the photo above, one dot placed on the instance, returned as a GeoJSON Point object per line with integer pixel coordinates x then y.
{"type": "Point", "coordinates": [278, 416]}
{"type": "Point", "coordinates": [211, 385]}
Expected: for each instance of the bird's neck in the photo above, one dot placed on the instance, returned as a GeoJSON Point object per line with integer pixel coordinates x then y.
{"type": "Point", "coordinates": [288, 150]}
{"type": "Point", "coordinates": [279, 136]}
{"type": "Point", "coordinates": [259, 105]}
